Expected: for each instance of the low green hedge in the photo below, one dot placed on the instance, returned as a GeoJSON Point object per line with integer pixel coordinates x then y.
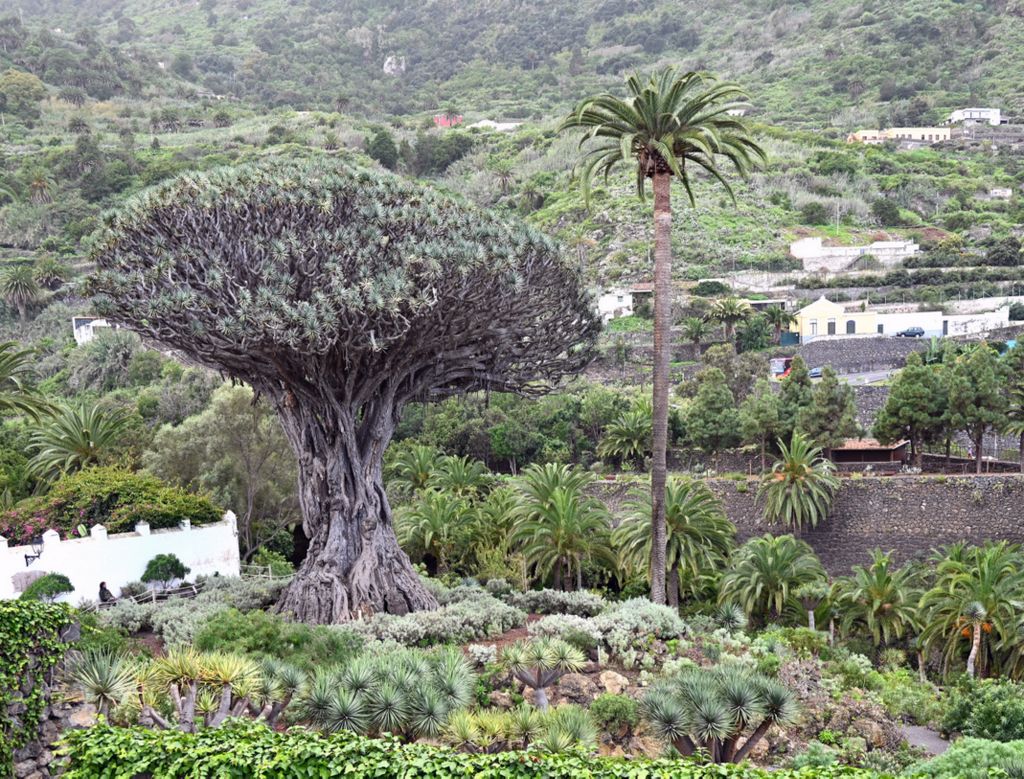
{"type": "Point", "coordinates": [249, 750]}
{"type": "Point", "coordinates": [113, 497]}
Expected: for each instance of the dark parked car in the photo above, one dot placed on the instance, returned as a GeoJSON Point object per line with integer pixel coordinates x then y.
{"type": "Point", "coordinates": [911, 332]}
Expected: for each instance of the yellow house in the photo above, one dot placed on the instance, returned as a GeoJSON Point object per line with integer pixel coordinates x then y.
{"type": "Point", "coordinates": [824, 318]}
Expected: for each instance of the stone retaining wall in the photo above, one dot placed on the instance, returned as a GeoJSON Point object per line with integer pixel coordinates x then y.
{"type": "Point", "coordinates": [908, 515]}
{"type": "Point", "coordinates": [854, 355]}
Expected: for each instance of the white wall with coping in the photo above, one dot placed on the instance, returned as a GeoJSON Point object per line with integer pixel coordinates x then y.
{"type": "Point", "coordinates": [121, 558]}
{"type": "Point", "coordinates": [818, 257]}
{"type": "Point", "coordinates": [929, 321]}
{"type": "Point", "coordinates": [979, 322]}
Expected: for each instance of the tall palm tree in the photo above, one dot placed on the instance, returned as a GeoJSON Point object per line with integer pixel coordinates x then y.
{"type": "Point", "coordinates": [880, 599]}
{"type": "Point", "coordinates": [729, 312]}
{"type": "Point", "coordinates": [669, 125]}
{"type": "Point", "coordinates": [779, 318]}
{"type": "Point", "coordinates": [696, 331]}
{"type": "Point", "coordinates": [16, 395]}
{"type": "Point", "coordinates": [700, 536]}
{"type": "Point", "coordinates": [765, 573]}
{"type": "Point", "coordinates": [19, 288]}
{"type": "Point", "coordinates": [978, 593]}
{"type": "Point", "coordinates": [799, 489]}
{"type": "Point", "coordinates": [74, 438]}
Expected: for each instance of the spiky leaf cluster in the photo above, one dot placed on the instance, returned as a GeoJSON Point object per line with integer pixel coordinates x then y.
{"type": "Point", "coordinates": [720, 713]}
{"type": "Point", "coordinates": [406, 693]}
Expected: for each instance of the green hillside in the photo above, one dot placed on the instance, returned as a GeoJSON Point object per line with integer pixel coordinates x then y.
{"type": "Point", "coordinates": [814, 64]}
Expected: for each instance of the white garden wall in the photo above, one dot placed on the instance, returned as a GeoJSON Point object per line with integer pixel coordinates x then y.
{"type": "Point", "coordinates": [121, 558]}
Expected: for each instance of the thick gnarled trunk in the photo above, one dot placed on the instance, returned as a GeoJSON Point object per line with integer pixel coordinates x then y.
{"type": "Point", "coordinates": [354, 566]}
{"type": "Point", "coordinates": [662, 348]}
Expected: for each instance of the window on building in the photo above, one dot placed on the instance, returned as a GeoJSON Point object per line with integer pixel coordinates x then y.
{"type": "Point", "coordinates": [814, 326]}
{"type": "Point", "coordinates": [881, 329]}
{"type": "Point", "coordinates": [851, 327]}
{"type": "Point", "coordinates": [620, 298]}
{"type": "Point", "coordinates": [831, 327]}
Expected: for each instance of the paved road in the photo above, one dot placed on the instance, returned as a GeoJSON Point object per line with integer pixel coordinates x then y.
{"type": "Point", "coordinates": [867, 378]}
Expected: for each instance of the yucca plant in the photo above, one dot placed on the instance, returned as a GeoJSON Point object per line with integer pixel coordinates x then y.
{"type": "Point", "coordinates": [731, 617]}
{"type": "Point", "coordinates": [461, 732]}
{"type": "Point", "coordinates": [181, 672]}
{"type": "Point", "coordinates": [106, 680]}
{"type": "Point", "coordinates": [540, 662]}
{"type": "Point", "coordinates": [722, 714]}
{"type": "Point", "coordinates": [405, 693]}
{"type": "Point", "coordinates": [224, 671]}
{"type": "Point", "coordinates": [569, 723]}
{"type": "Point", "coordinates": [524, 725]}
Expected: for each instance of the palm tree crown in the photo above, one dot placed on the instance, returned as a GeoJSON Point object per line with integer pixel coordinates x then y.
{"type": "Point", "coordinates": [667, 121]}
{"type": "Point", "coordinates": [799, 490]}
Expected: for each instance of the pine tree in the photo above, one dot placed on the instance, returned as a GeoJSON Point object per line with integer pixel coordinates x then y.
{"type": "Point", "coordinates": [760, 420]}
{"type": "Point", "coordinates": [796, 394]}
{"type": "Point", "coordinates": [914, 408]}
{"type": "Point", "coordinates": [712, 421]}
{"type": "Point", "coordinates": [976, 400]}
{"type": "Point", "coordinates": [831, 416]}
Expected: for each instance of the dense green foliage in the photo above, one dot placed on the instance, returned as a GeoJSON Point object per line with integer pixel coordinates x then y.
{"type": "Point", "coordinates": [113, 497]}
{"type": "Point", "coordinates": [104, 751]}
{"type": "Point", "coordinates": [30, 646]}
{"type": "Point", "coordinates": [48, 587]}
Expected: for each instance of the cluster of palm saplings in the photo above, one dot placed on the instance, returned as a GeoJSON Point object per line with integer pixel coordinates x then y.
{"type": "Point", "coordinates": [957, 606]}
{"type": "Point", "coordinates": [545, 525]}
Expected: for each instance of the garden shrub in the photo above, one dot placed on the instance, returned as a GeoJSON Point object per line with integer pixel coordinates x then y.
{"type": "Point", "coordinates": [908, 698]}
{"type": "Point", "coordinates": [276, 562]}
{"type": "Point", "coordinates": [990, 709]}
{"type": "Point", "coordinates": [48, 587]}
{"type": "Point", "coordinates": [614, 713]}
{"type": "Point", "coordinates": [268, 635]}
{"type": "Point", "coordinates": [113, 497]}
{"type": "Point", "coordinates": [563, 625]}
{"type": "Point", "coordinates": [30, 646]}
{"type": "Point", "coordinates": [582, 604]}
{"type": "Point", "coordinates": [163, 569]}
{"type": "Point", "coordinates": [177, 620]}
{"type": "Point", "coordinates": [969, 758]}
{"type": "Point", "coordinates": [636, 621]}
{"type": "Point", "coordinates": [477, 615]}
{"type": "Point", "coordinates": [248, 749]}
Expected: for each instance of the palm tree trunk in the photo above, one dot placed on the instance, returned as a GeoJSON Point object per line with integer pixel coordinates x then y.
{"type": "Point", "coordinates": [1022, 452]}
{"type": "Point", "coordinates": [979, 441]}
{"type": "Point", "coordinates": [556, 584]}
{"type": "Point", "coordinates": [662, 325]}
{"type": "Point", "coordinates": [972, 658]}
{"type": "Point", "coordinates": [921, 672]}
{"type": "Point", "coordinates": [672, 588]}
{"type": "Point", "coordinates": [810, 619]}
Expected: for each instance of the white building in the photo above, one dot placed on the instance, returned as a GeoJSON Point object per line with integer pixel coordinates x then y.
{"type": "Point", "coordinates": [120, 558]}
{"type": "Point", "coordinates": [86, 328]}
{"type": "Point", "coordinates": [818, 257]}
{"type": "Point", "coordinates": [613, 303]}
{"type": "Point", "coordinates": [992, 116]}
{"type": "Point", "coordinates": [1000, 193]}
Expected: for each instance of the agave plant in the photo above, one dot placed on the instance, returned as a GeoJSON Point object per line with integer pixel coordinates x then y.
{"type": "Point", "coordinates": [540, 662]}
{"type": "Point", "coordinates": [721, 713]}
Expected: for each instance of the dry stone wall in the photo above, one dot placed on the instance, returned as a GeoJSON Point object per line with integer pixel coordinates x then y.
{"type": "Point", "coordinates": [907, 515]}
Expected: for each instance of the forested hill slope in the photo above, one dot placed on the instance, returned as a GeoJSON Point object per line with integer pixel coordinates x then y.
{"type": "Point", "coordinates": [811, 63]}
